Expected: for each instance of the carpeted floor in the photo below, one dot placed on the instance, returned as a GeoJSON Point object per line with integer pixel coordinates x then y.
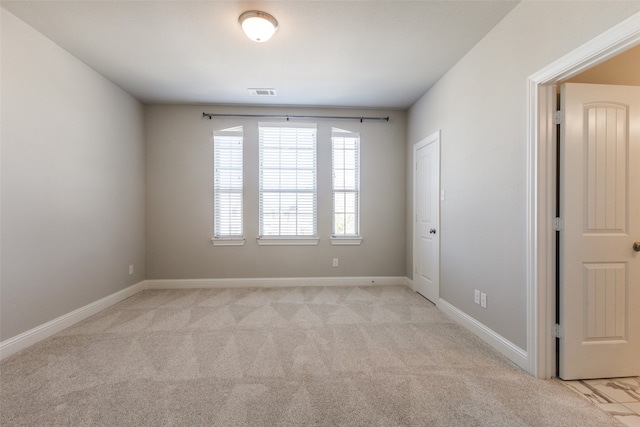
{"type": "Point", "coordinates": [321, 356]}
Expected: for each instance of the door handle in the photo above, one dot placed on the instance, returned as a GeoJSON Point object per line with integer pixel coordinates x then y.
{"type": "Point", "coordinates": [636, 246]}
{"type": "Point", "coordinates": [433, 231]}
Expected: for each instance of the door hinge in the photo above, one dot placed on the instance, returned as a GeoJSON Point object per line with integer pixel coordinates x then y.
{"type": "Point", "coordinates": [557, 331]}
{"type": "Point", "coordinates": [558, 117]}
{"type": "Point", "coordinates": [558, 224]}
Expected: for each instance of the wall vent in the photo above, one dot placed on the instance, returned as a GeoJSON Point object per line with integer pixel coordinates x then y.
{"type": "Point", "coordinates": [260, 91]}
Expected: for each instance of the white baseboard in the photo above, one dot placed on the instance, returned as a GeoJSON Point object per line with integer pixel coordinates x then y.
{"type": "Point", "coordinates": [20, 342]}
{"type": "Point", "coordinates": [495, 340]}
{"type": "Point", "coordinates": [409, 283]}
{"type": "Point", "coordinates": [274, 282]}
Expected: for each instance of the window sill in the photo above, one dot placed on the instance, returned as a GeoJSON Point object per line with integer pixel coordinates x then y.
{"type": "Point", "coordinates": [346, 241]}
{"type": "Point", "coordinates": [287, 241]}
{"type": "Point", "coordinates": [228, 241]}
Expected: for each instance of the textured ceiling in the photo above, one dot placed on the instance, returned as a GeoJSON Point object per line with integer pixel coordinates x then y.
{"type": "Point", "coordinates": [377, 54]}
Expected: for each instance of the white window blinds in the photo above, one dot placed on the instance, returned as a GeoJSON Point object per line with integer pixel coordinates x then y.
{"type": "Point", "coordinates": [346, 183]}
{"type": "Point", "coordinates": [288, 192]}
{"type": "Point", "coordinates": [227, 155]}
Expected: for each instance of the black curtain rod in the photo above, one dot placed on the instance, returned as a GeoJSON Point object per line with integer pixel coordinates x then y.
{"type": "Point", "coordinates": [282, 116]}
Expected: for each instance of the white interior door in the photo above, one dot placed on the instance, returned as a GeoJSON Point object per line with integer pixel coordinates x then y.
{"type": "Point", "coordinates": [600, 206]}
{"type": "Point", "coordinates": [426, 189]}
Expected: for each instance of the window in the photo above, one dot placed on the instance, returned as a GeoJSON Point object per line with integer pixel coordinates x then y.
{"type": "Point", "coordinates": [227, 188]}
{"type": "Point", "coordinates": [346, 186]}
{"type": "Point", "coordinates": [288, 192]}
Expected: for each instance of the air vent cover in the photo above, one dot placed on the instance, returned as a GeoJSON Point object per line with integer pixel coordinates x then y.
{"type": "Point", "coordinates": [260, 91]}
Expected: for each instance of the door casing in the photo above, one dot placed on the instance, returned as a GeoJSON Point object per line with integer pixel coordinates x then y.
{"type": "Point", "coordinates": [541, 185]}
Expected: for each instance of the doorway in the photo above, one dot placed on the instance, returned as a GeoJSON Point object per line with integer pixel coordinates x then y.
{"type": "Point", "coordinates": [542, 183]}
{"type": "Point", "coordinates": [426, 205]}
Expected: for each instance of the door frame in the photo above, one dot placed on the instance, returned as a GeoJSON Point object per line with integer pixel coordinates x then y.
{"type": "Point", "coordinates": [434, 138]}
{"type": "Point", "coordinates": [541, 185]}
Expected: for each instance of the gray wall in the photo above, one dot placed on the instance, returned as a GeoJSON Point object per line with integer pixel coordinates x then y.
{"type": "Point", "coordinates": [72, 203]}
{"type": "Point", "coordinates": [481, 105]}
{"type": "Point", "coordinates": [179, 152]}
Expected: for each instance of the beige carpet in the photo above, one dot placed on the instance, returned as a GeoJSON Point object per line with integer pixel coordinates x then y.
{"type": "Point", "coordinates": [321, 356]}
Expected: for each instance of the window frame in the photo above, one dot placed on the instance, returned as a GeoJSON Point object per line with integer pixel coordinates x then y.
{"type": "Point", "coordinates": [234, 170]}
{"type": "Point", "coordinates": [265, 152]}
{"type": "Point", "coordinates": [336, 135]}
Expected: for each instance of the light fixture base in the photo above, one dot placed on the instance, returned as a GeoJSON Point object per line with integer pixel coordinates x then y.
{"type": "Point", "coordinates": [257, 25]}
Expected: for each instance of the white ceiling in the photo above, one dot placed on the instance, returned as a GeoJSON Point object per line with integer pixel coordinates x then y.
{"type": "Point", "coordinates": [366, 53]}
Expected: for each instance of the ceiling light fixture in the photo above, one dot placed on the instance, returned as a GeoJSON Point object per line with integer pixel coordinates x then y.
{"type": "Point", "coordinates": [258, 26]}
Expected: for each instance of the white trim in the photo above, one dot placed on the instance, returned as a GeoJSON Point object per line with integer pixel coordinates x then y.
{"type": "Point", "coordinates": [541, 176]}
{"type": "Point", "coordinates": [408, 282]}
{"type": "Point", "coordinates": [227, 241]}
{"type": "Point", "coordinates": [615, 40]}
{"type": "Point", "coordinates": [281, 282]}
{"type": "Point", "coordinates": [284, 241]}
{"type": "Point", "coordinates": [20, 342]}
{"type": "Point", "coordinates": [346, 241]}
{"type": "Point", "coordinates": [532, 235]}
{"type": "Point", "coordinates": [341, 133]}
{"type": "Point", "coordinates": [495, 340]}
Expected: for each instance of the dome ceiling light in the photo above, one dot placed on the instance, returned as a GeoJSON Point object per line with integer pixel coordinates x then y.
{"type": "Point", "coordinates": [258, 26]}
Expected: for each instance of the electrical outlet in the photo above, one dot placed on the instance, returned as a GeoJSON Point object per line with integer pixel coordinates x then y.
{"type": "Point", "coordinates": [335, 262]}
{"type": "Point", "coordinates": [483, 300]}
{"type": "Point", "coordinates": [476, 296]}
{"type": "Point", "coordinates": [131, 270]}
